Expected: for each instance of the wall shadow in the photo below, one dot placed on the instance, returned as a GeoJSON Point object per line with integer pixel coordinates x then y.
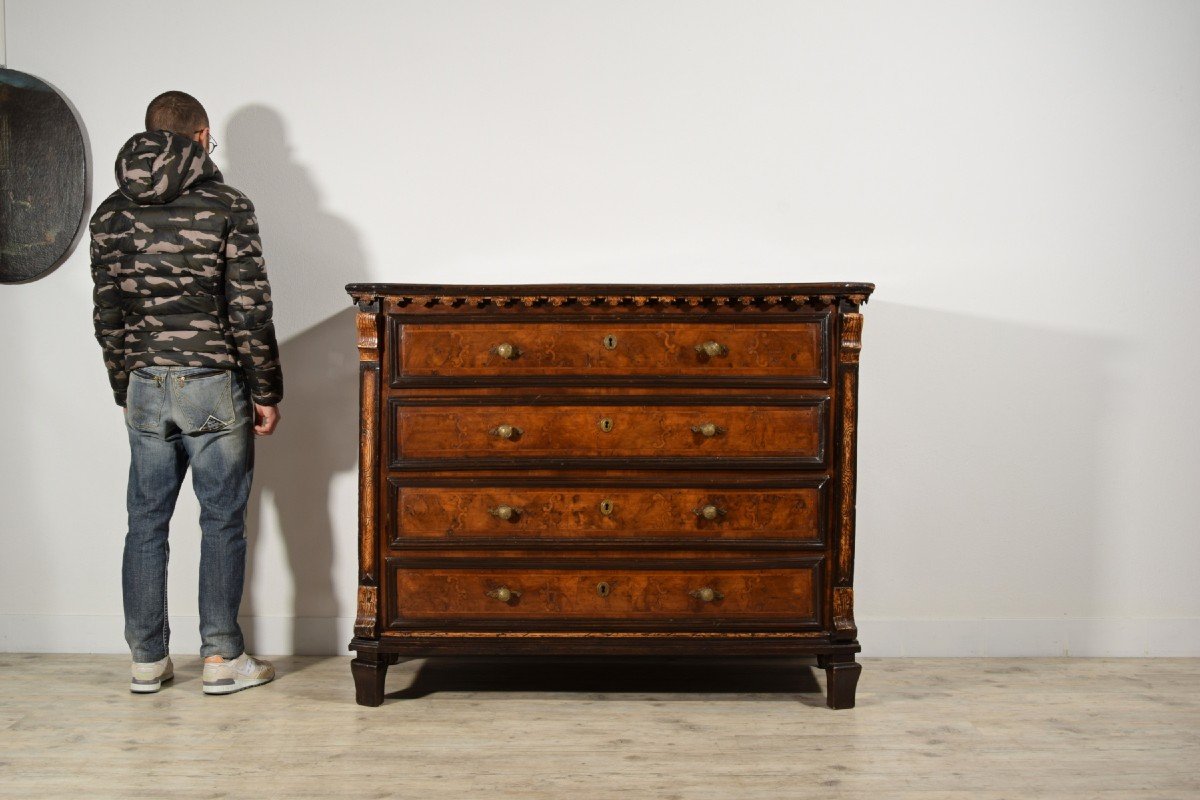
{"type": "Point", "coordinates": [998, 436]}
{"type": "Point", "coordinates": [311, 254]}
{"type": "Point", "coordinates": [294, 472]}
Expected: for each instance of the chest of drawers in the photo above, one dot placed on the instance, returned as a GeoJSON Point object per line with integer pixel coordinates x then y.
{"type": "Point", "coordinates": [625, 469]}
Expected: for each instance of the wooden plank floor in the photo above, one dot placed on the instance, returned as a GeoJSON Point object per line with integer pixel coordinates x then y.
{"type": "Point", "coordinates": [507, 728]}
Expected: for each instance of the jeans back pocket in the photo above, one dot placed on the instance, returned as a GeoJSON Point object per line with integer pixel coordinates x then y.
{"type": "Point", "coordinates": [205, 401]}
{"type": "Point", "coordinates": [144, 401]}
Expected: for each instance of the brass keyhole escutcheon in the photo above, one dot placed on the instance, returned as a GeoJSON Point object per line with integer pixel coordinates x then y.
{"type": "Point", "coordinates": [610, 342]}
{"type": "Point", "coordinates": [606, 507]}
{"type": "Point", "coordinates": [603, 589]}
{"type": "Point", "coordinates": [606, 424]}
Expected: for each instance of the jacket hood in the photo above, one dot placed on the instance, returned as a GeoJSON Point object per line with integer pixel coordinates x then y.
{"type": "Point", "coordinates": [155, 167]}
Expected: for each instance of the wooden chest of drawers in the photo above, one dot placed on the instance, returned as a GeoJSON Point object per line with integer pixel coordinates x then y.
{"type": "Point", "coordinates": [570, 470]}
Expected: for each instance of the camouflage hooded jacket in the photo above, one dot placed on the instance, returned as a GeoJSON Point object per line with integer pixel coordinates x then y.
{"type": "Point", "coordinates": [178, 270]}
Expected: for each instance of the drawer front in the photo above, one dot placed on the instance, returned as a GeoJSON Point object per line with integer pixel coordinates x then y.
{"type": "Point", "coordinates": [793, 350]}
{"type": "Point", "coordinates": [544, 594]}
{"type": "Point", "coordinates": [513, 516]}
{"type": "Point", "coordinates": [589, 434]}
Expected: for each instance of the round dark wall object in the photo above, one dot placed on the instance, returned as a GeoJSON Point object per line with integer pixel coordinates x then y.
{"type": "Point", "coordinates": [43, 177]}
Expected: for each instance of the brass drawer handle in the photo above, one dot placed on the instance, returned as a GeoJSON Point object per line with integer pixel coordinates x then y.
{"type": "Point", "coordinates": [712, 349]}
{"type": "Point", "coordinates": [505, 512]}
{"type": "Point", "coordinates": [708, 429]}
{"type": "Point", "coordinates": [506, 431]}
{"type": "Point", "coordinates": [709, 511]}
{"type": "Point", "coordinates": [706, 594]}
{"type": "Point", "coordinates": [504, 594]}
{"type": "Point", "coordinates": [506, 350]}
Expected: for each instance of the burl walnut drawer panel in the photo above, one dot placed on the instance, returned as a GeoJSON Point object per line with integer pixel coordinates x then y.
{"type": "Point", "coordinates": [590, 433]}
{"type": "Point", "coordinates": [795, 350]}
{"type": "Point", "coordinates": [704, 594]}
{"type": "Point", "coordinates": [522, 515]}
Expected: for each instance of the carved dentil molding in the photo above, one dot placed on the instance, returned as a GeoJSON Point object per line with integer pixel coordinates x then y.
{"type": "Point", "coordinates": [612, 300]}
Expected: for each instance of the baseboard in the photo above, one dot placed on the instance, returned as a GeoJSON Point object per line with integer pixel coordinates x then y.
{"type": "Point", "coordinates": [1154, 637]}
{"type": "Point", "coordinates": [999, 638]}
{"type": "Point", "coordinates": [57, 633]}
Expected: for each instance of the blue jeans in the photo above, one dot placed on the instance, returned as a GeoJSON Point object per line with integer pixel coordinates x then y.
{"type": "Point", "coordinates": [179, 417]}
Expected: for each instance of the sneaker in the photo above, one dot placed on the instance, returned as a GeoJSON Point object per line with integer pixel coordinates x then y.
{"type": "Point", "coordinates": [226, 677]}
{"type": "Point", "coordinates": [148, 676]}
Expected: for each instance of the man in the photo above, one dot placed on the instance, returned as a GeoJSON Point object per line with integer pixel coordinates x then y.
{"type": "Point", "coordinates": [183, 315]}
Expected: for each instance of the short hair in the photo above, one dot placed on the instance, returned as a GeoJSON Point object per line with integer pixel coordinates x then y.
{"type": "Point", "coordinates": [177, 112]}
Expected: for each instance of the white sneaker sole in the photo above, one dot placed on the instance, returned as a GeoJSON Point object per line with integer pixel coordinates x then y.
{"type": "Point", "coordinates": [234, 685]}
{"type": "Point", "coordinates": [148, 688]}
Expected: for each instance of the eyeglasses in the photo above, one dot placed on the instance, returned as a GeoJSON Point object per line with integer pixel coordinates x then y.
{"type": "Point", "coordinates": [212, 143]}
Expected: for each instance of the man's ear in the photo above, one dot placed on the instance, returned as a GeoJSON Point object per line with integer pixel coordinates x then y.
{"type": "Point", "coordinates": [201, 137]}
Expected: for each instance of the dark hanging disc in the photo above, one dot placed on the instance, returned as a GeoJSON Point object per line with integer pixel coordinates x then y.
{"type": "Point", "coordinates": [43, 177]}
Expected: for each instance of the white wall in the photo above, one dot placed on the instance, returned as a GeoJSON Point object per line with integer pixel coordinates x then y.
{"type": "Point", "coordinates": [1021, 180]}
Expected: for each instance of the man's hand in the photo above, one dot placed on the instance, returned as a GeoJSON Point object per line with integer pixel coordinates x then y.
{"type": "Point", "coordinates": [266, 418]}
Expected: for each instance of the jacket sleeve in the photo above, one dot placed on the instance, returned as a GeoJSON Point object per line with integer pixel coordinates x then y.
{"type": "Point", "coordinates": [248, 300]}
{"type": "Point", "coordinates": [108, 317]}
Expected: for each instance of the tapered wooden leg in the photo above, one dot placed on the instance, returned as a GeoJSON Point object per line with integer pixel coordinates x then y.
{"type": "Point", "coordinates": [369, 670]}
{"type": "Point", "coordinates": [841, 679]}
